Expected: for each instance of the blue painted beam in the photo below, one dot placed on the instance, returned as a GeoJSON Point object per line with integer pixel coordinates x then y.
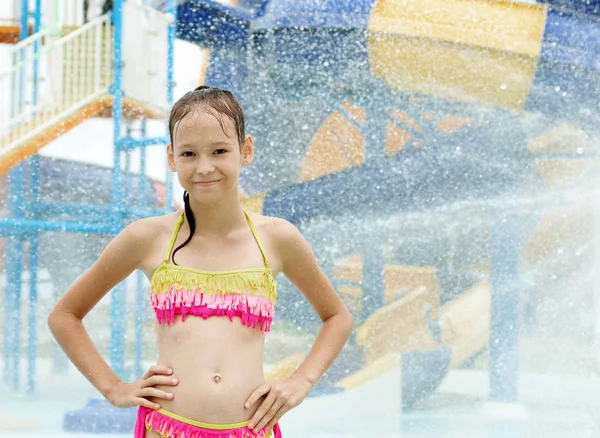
{"type": "Point", "coordinates": [82, 210]}
{"type": "Point", "coordinates": [127, 143]}
{"type": "Point", "coordinates": [14, 227]}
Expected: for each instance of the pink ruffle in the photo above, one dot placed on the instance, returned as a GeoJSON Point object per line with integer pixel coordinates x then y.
{"type": "Point", "coordinates": [172, 428]}
{"type": "Point", "coordinates": [254, 310]}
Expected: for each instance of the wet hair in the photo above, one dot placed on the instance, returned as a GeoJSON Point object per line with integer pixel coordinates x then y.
{"type": "Point", "coordinates": [217, 102]}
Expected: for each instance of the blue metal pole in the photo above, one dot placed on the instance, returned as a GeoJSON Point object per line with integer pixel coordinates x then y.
{"type": "Point", "coordinates": [16, 177]}
{"type": "Point", "coordinates": [16, 181]}
{"type": "Point", "coordinates": [375, 132]}
{"type": "Point", "coordinates": [373, 256]}
{"type": "Point", "coordinates": [13, 250]}
{"type": "Point", "coordinates": [117, 340]}
{"type": "Point", "coordinates": [140, 310]}
{"type": "Point", "coordinates": [36, 28]}
{"type": "Point", "coordinates": [33, 296]}
{"type": "Point", "coordinates": [504, 280]}
{"type": "Point", "coordinates": [168, 190]}
{"type": "Point", "coordinates": [142, 186]}
{"type": "Point", "coordinates": [34, 166]}
{"type": "Point", "coordinates": [9, 293]}
{"type": "Point", "coordinates": [172, 9]}
{"type": "Point", "coordinates": [373, 282]}
{"type": "Point", "coordinates": [24, 31]}
{"type": "Point", "coordinates": [16, 311]}
{"type": "Point", "coordinates": [128, 177]}
{"type": "Point", "coordinates": [34, 238]}
{"type": "Point", "coordinates": [140, 317]}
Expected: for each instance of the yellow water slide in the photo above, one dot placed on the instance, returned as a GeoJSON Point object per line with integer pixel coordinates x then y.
{"type": "Point", "coordinates": [463, 50]}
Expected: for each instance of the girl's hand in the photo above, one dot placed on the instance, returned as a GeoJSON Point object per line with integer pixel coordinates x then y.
{"type": "Point", "coordinates": [283, 395]}
{"type": "Point", "coordinates": [127, 395]}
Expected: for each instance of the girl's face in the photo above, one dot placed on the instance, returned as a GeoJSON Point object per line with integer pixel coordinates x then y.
{"type": "Point", "coordinates": [207, 156]}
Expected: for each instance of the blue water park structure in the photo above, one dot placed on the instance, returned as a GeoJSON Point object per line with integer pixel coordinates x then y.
{"type": "Point", "coordinates": [296, 65]}
{"type": "Point", "coordinates": [371, 109]}
{"type": "Point", "coordinates": [44, 195]}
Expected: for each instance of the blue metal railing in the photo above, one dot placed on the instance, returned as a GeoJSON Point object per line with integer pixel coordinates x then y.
{"type": "Point", "coordinates": [30, 215]}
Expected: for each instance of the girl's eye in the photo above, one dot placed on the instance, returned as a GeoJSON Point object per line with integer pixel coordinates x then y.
{"type": "Point", "coordinates": [186, 154]}
{"type": "Point", "coordinates": [220, 151]}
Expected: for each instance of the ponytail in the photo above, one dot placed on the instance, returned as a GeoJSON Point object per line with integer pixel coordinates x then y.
{"type": "Point", "coordinates": [189, 215]}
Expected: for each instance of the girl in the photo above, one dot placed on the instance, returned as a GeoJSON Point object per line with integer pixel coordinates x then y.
{"type": "Point", "coordinates": [212, 269]}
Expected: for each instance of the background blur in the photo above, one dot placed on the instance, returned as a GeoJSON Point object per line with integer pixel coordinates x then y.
{"type": "Point", "coordinates": [441, 157]}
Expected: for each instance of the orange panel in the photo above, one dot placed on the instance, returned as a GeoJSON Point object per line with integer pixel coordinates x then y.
{"type": "Point", "coordinates": [336, 145]}
{"type": "Point", "coordinates": [19, 154]}
{"type": "Point", "coordinates": [450, 124]}
{"type": "Point", "coordinates": [10, 34]}
{"type": "Point", "coordinates": [396, 138]}
{"type": "Point", "coordinates": [131, 109]}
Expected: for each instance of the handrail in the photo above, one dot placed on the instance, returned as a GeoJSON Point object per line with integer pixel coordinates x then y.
{"type": "Point", "coordinates": [73, 70]}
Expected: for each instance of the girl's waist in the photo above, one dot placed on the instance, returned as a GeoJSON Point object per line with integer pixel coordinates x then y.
{"type": "Point", "coordinates": [213, 396]}
{"type": "Point", "coordinates": [203, 359]}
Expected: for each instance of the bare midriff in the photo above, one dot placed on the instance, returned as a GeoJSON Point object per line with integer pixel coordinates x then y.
{"type": "Point", "coordinates": [218, 363]}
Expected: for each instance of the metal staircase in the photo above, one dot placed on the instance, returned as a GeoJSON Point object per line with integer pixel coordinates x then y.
{"type": "Point", "coordinates": [54, 83]}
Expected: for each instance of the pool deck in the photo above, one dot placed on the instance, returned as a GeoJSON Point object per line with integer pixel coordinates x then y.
{"type": "Point", "coordinates": [552, 406]}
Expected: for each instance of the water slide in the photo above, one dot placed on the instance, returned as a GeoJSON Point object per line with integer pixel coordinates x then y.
{"type": "Point", "coordinates": [420, 77]}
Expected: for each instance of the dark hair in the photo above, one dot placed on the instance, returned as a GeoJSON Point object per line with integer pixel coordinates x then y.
{"type": "Point", "coordinates": [214, 101]}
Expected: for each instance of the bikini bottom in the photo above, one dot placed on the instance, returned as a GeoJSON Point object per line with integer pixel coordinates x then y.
{"type": "Point", "coordinates": [170, 425]}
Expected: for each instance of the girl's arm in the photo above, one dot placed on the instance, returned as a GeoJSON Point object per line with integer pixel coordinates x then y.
{"type": "Point", "coordinates": [301, 268]}
{"type": "Point", "coordinates": [122, 255]}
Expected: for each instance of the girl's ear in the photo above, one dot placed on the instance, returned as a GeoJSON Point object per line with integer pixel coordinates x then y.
{"type": "Point", "coordinates": [247, 151]}
{"type": "Point", "coordinates": [171, 157]}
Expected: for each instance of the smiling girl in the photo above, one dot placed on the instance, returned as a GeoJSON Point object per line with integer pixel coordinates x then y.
{"type": "Point", "coordinates": [212, 270]}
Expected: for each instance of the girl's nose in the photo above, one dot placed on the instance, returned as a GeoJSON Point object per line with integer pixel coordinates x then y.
{"type": "Point", "coordinates": [204, 167]}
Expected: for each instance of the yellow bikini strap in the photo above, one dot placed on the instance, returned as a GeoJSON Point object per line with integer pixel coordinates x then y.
{"type": "Point", "coordinates": [255, 234]}
{"type": "Point", "coordinates": [173, 237]}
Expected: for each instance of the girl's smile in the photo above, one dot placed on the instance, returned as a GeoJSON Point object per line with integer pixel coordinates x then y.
{"type": "Point", "coordinates": [207, 183]}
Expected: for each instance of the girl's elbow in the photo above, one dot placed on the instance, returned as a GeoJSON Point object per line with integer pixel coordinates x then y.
{"type": "Point", "coordinates": [346, 320]}
{"type": "Point", "coordinates": [56, 319]}
{"type": "Point", "coordinates": [53, 320]}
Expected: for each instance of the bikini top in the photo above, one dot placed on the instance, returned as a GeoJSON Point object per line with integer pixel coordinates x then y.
{"type": "Point", "coordinates": [246, 293]}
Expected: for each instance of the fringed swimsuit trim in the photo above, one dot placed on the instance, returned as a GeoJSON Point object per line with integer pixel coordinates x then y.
{"type": "Point", "coordinates": [170, 425]}
{"type": "Point", "coordinates": [246, 293]}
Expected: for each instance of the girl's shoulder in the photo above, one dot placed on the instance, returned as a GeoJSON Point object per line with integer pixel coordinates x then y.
{"type": "Point", "coordinates": [277, 230]}
{"type": "Point", "coordinates": [153, 228]}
